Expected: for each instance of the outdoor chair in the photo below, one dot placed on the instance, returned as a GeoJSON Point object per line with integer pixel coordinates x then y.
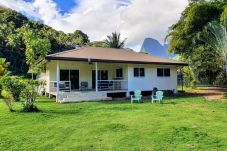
{"type": "Point", "coordinates": [84, 85]}
{"type": "Point", "coordinates": [157, 97]}
{"type": "Point", "coordinates": [136, 97]}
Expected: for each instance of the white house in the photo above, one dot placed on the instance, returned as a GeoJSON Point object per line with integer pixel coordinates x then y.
{"type": "Point", "coordinates": [92, 73]}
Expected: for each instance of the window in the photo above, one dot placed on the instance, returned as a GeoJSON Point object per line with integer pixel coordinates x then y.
{"type": "Point", "coordinates": [163, 72]}
{"type": "Point", "coordinates": [119, 73]}
{"type": "Point", "coordinates": [167, 72]}
{"type": "Point", "coordinates": [139, 72]}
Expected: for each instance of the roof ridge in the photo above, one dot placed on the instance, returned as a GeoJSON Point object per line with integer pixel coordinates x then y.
{"type": "Point", "coordinates": [62, 52]}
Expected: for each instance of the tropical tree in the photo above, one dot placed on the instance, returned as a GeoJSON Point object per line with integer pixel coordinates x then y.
{"type": "Point", "coordinates": [215, 35]}
{"type": "Point", "coordinates": [36, 50]}
{"type": "Point", "coordinates": [203, 59]}
{"type": "Point", "coordinates": [114, 41]}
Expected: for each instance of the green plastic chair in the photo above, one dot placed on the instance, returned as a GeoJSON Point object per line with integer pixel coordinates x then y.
{"type": "Point", "coordinates": [136, 97]}
{"type": "Point", "coordinates": [157, 97]}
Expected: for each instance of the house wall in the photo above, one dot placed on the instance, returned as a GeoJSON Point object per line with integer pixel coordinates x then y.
{"type": "Point", "coordinates": [85, 70]}
{"type": "Point", "coordinates": [151, 79]}
{"type": "Point", "coordinates": [146, 83]}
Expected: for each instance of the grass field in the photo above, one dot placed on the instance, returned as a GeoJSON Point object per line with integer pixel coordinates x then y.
{"type": "Point", "coordinates": [182, 123]}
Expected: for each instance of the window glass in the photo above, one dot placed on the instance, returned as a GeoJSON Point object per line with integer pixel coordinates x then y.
{"type": "Point", "coordinates": [64, 75]}
{"type": "Point", "coordinates": [139, 72]}
{"type": "Point", "coordinates": [119, 73]}
{"type": "Point", "coordinates": [142, 72]}
{"type": "Point", "coordinates": [136, 72]}
{"type": "Point", "coordinates": [160, 72]}
{"type": "Point", "coordinates": [167, 72]}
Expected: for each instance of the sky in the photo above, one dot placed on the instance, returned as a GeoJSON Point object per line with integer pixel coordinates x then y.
{"type": "Point", "coordinates": [134, 19]}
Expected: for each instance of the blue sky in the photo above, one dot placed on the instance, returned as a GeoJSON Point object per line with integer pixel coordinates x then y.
{"type": "Point", "coordinates": [134, 19]}
{"type": "Point", "coordinates": [63, 5]}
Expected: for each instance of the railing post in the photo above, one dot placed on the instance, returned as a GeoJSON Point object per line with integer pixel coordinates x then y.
{"type": "Point", "coordinates": [96, 77]}
{"type": "Point", "coordinates": [58, 79]}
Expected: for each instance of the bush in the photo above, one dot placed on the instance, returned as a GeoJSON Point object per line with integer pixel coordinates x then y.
{"type": "Point", "coordinates": [189, 77]}
{"type": "Point", "coordinates": [221, 79]}
{"type": "Point", "coordinates": [30, 93]}
{"type": "Point", "coordinates": [13, 85]}
{"type": "Point", "coordinates": [8, 99]}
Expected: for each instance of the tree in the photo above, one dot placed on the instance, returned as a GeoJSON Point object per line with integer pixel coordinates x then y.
{"type": "Point", "coordinates": [114, 41]}
{"type": "Point", "coordinates": [78, 38]}
{"type": "Point", "coordinates": [30, 93]}
{"type": "Point", "coordinates": [98, 44]}
{"type": "Point", "coordinates": [12, 39]}
{"type": "Point", "coordinates": [36, 50]}
{"type": "Point", "coordinates": [203, 59]}
{"type": "Point", "coordinates": [215, 35]}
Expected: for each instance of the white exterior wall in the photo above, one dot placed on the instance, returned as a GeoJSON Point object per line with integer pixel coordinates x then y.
{"type": "Point", "coordinates": [146, 83]}
{"type": "Point", "coordinates": [85, 70]}
{"type": "Point", "coordinates": [151, 79]}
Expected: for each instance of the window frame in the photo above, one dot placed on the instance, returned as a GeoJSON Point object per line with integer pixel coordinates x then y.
{"type": "Point", "coordinates": [139, 75]}
{"type": "Point", "coordinates": [121, 73]}
{"type": "Point", "coordinates": [163, 74]}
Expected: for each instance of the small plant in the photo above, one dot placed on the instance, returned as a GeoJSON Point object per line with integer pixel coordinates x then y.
{"type": "Point", "coordinates": [8, 99]}
{"type": "Point", "coordinates": [30, 93]}
{"type": "Point", "coordinates": [13, 85]}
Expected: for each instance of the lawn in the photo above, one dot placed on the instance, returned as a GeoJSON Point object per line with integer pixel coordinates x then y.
{"type": "Point", "coordinates": [182, 123]}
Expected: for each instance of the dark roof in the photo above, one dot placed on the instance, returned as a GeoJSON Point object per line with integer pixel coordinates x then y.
{"type": "Point", "coordinates": [97, 54]}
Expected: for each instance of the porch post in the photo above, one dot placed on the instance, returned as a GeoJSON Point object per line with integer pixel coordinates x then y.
{"type": "Point", "coordinates": [96, 77]}
{"type": "Point", "coordinates": [58, 79]}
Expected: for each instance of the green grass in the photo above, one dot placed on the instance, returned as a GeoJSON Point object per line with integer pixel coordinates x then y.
{"type": "Point", "coordinates": [182, 123]}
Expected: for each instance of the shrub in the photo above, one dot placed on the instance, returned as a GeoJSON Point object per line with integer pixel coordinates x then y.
{"type": "Point", "coordinates": [8, 99]}
{"type": "Point", "coordinates": [30, 93]}
{"type": "Point", "coordinates": [13, 85]}
{"type": "Point", "coordinates": [221, 79]}
{"type": "Point", "coordinates": [189, 77]}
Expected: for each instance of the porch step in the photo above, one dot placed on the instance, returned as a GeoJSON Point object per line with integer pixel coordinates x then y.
{"type": "Point", "coordinates": [82, 96]}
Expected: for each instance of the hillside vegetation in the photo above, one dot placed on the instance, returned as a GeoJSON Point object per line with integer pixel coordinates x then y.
{"type": "Point", "coordinates": [14, 27]}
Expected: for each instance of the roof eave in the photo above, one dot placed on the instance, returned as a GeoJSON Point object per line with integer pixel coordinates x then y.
{"type": "Point", "coordinates": [112, 61]}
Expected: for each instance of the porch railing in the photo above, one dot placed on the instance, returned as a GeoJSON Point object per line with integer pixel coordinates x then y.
{"type": "Point", "coordinates": [63, 86]}
{"type": "Point", "coordinates": [103, 85]}
{"type": "Point", "coordinates": [112, 85]}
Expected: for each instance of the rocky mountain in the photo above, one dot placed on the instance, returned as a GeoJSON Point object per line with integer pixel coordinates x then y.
{"type": "Point", "coordinates": [154, 47]}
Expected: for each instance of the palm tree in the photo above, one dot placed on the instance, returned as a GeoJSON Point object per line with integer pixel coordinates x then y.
{"type": "Point", "coordinates": [215, 35]}
{"type": "Point", "coordinates": [114, 41]}
{"type": "Point", "coordinates": [3, 66]}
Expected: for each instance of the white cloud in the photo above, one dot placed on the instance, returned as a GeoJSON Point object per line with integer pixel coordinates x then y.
{"type": "Point", "coordinates": [135, 19]}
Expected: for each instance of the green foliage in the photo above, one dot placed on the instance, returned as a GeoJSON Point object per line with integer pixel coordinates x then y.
{"type": "Point", "coordinates": [78, 38]}
{"type": "Point", "coordinates": [36, 50]}
{"type": "Point", "coordinates": [8, 99]}
{"type": "Point", "coordinates": [114, 41]}
{"type": "Point", "coordinates": [205, 61]}
{"type": "Point", "coordinates": [12, 85]}
{"type": "Point", "coordinates": [189, 77]}
{"type": "Point", "coordinates": [98, 44]}
{"type": "Point", "coordinates": [19, 35]}
{"type": "Point", "coordinates": [3, 66]}
{"type": "Point", "coordinates": [215, 35]}
{"type": "Point", "coordinates": [30, 93]}
{"type": "Point", "coordinates": [221, 79]}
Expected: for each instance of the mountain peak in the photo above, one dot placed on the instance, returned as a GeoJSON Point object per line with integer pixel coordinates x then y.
{"type": "Point", "coordinates": [154, 47]}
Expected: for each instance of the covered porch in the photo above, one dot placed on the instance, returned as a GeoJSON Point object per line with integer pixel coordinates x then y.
{"type": "Point", "coordinates": [77, 76]}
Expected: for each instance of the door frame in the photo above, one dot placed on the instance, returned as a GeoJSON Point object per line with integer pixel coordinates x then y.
{"type": "Point", "coordinates": [69, 74]}
{"type": "Point", "coordinates": [93, 76]}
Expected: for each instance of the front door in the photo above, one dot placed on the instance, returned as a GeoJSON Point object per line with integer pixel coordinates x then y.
{"type": "Point", "coordinates": [74, 78]}
{"type": "Point", "coordinates": [70, 75]}
{"type": "Point", "coordinates": [102, 75]}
